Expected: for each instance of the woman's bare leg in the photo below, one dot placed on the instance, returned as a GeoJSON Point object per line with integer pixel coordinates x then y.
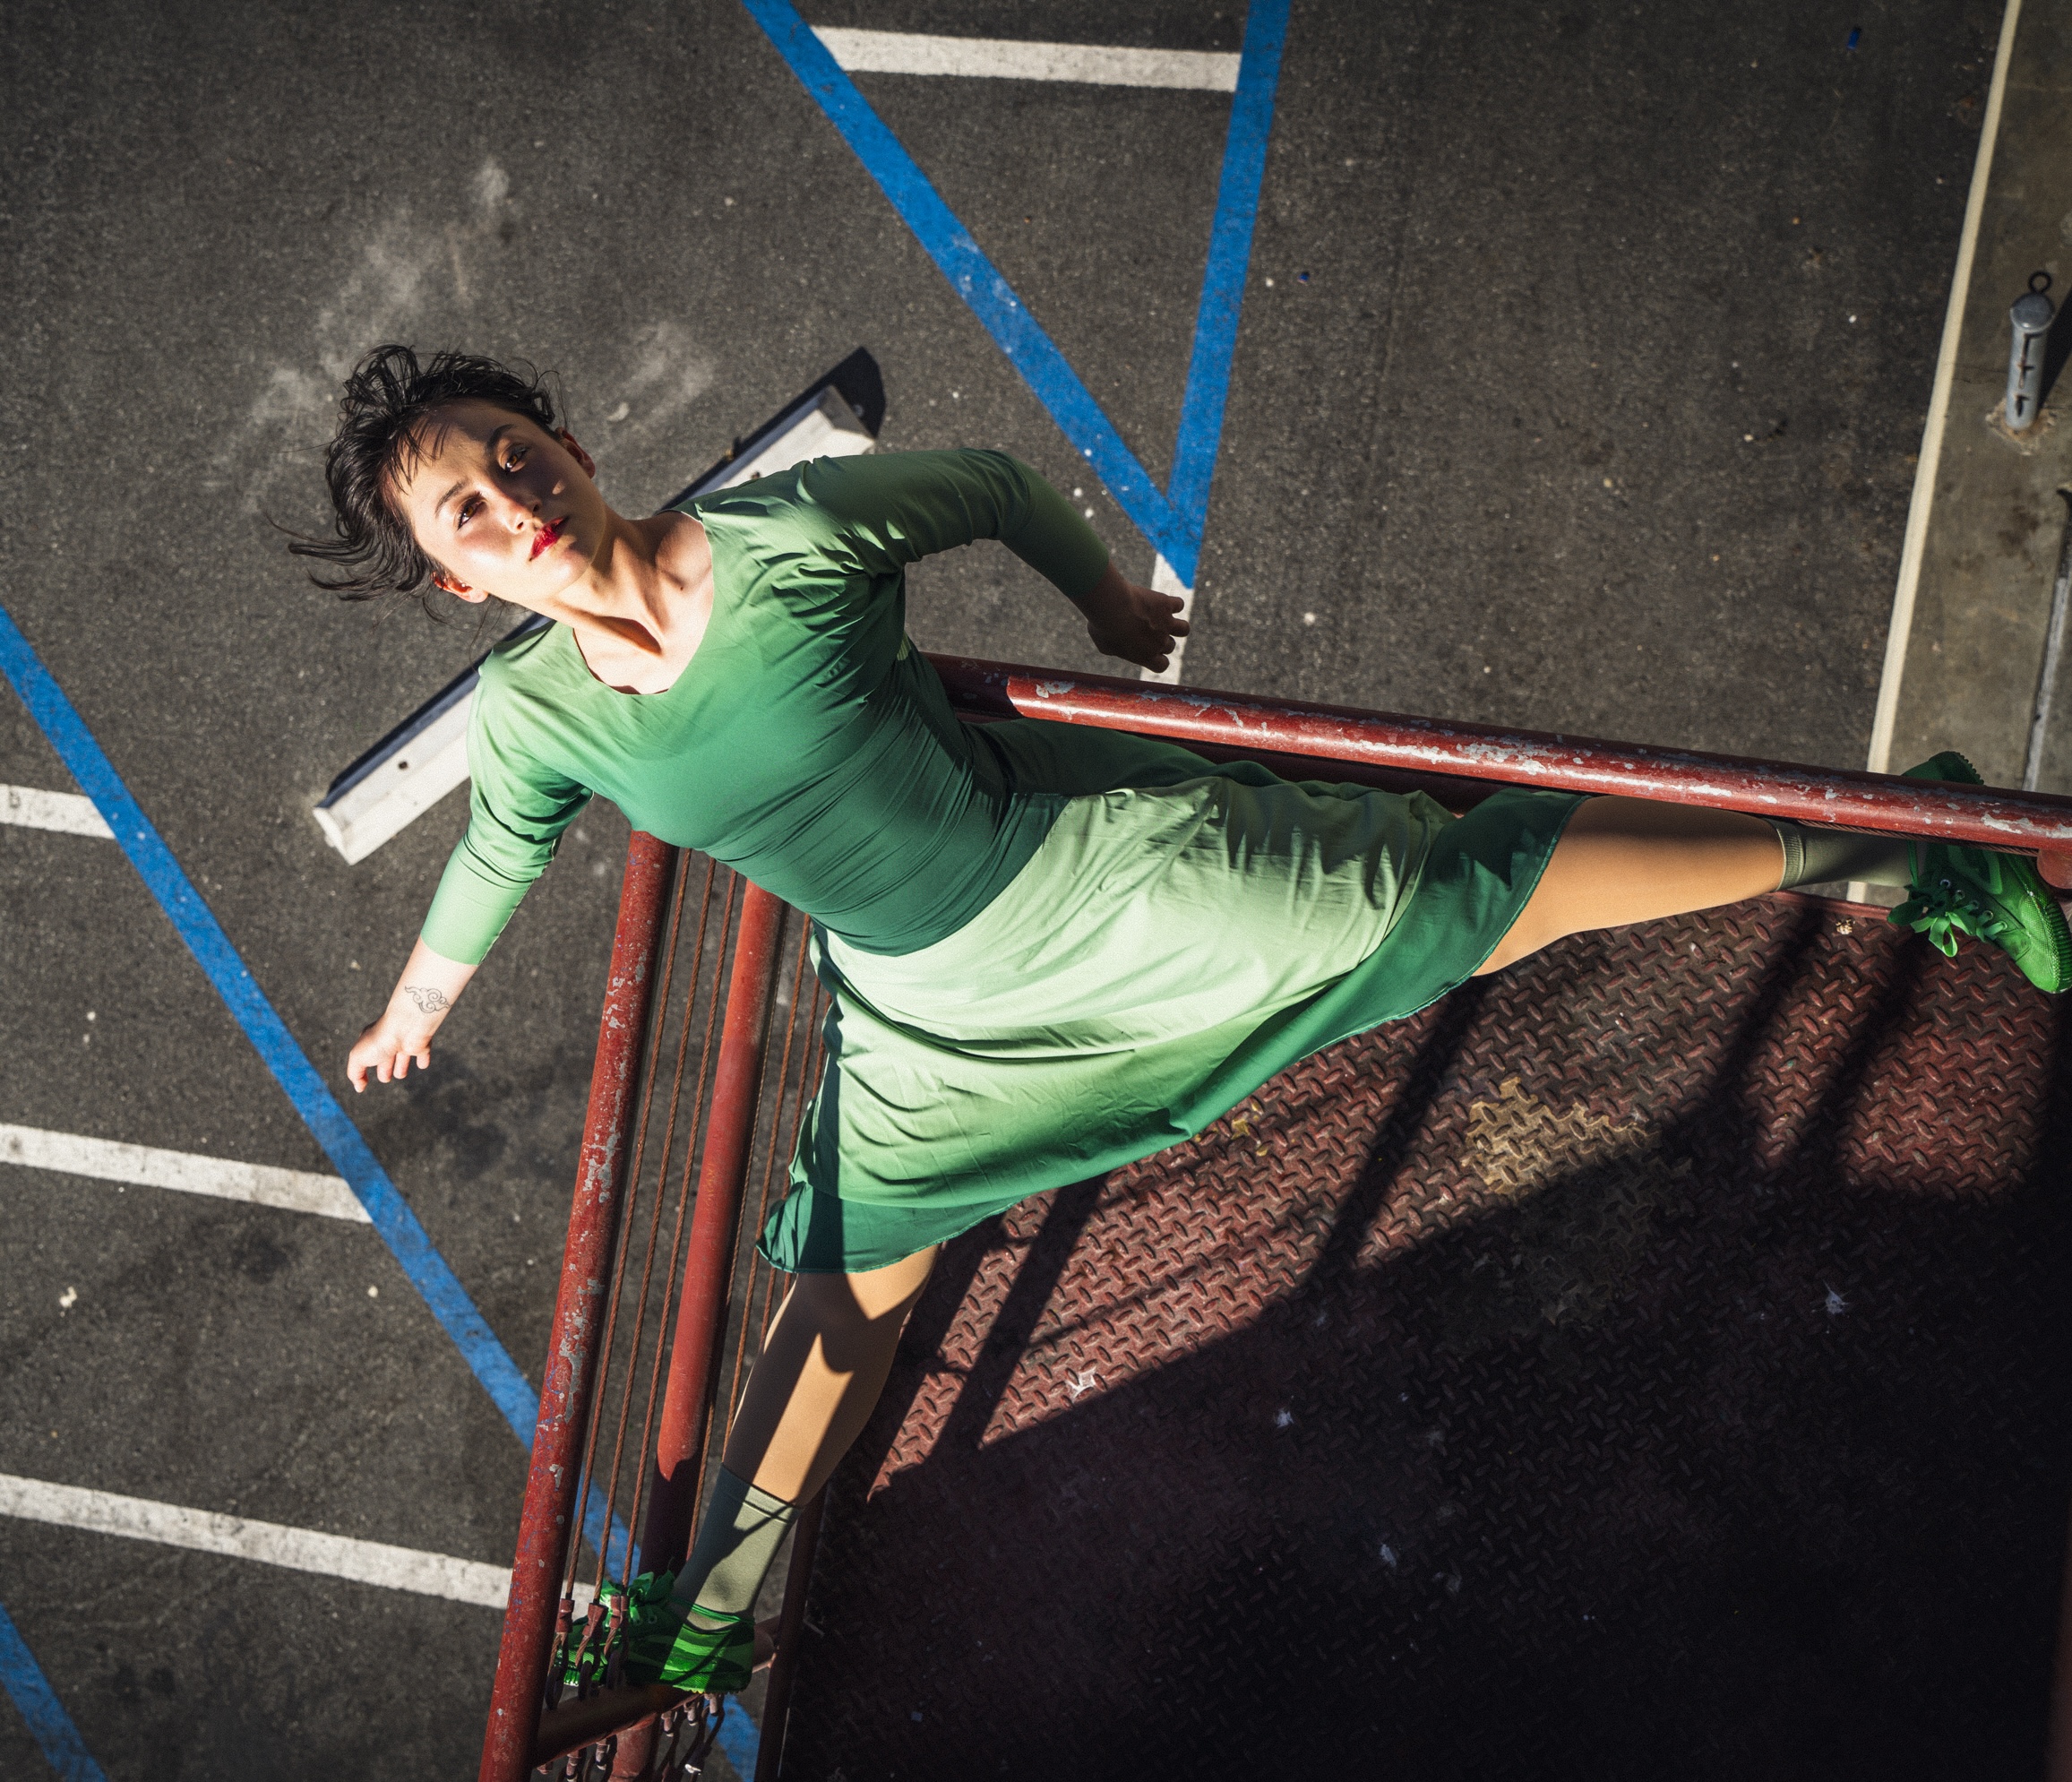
{"type": "Point", "coordinates": [820, 1373]}
{"type": "Point", "coordinates": [1624, 860]}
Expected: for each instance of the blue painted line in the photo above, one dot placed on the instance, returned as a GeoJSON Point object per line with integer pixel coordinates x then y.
{"type": "Point", "coordinates": [23, 1680]}
{"type": "Point", "coordinates": [196, 922]}
{"type": "Point", "coordinates": [740, 1739]}
{"type": "Point", "coordinates": [974, 278]}
{"type": "Point", "coordinates": [319, 1108]}
{"type": "Point", "coordinates": [1173, 520]}
{"type": "Point", "coordinates": [1244, 152]}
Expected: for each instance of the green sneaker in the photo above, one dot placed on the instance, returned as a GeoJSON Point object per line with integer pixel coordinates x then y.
{"type": "Point", "coordinates": [1987, 895]}
{"type": "Point", "coordinates": [663, 1645]}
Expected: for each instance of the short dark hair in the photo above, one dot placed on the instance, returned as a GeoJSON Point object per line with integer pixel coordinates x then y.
{"type": "Point", "coordinates": [380, 435]}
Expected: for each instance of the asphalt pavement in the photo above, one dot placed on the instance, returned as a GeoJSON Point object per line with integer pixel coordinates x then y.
{"type": "Point", "coordinates": [1583, 355]}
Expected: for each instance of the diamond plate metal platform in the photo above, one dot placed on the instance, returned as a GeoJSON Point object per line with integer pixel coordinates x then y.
{"type": "Point", "coordinates": [1651, 1362]}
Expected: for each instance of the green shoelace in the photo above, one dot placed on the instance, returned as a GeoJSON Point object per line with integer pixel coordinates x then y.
{"type": "Point", "coordinates": [1949, 907]}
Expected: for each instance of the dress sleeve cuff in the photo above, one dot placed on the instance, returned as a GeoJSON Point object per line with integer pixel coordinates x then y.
{"type": "Point", "coordinates": [468, 911]}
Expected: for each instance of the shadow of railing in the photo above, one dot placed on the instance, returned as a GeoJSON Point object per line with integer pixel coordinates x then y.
{"type": "Point", "coordinates": [1716, 1447]}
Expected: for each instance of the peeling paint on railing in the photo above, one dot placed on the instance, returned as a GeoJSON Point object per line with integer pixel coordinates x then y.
{"type": "Point", "coordinates": [1849, 798]}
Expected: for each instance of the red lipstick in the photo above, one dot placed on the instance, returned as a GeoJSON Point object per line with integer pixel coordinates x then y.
{"type": "Point", "coordinates": [546, 536]}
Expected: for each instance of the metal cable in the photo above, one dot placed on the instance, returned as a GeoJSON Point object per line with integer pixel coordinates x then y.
{"type": "Point", "coordinates": [801, 1097]}
{"type": "Point", "coordinates": [808, 1087]}
{"type": "Point", "coordinates": [585, 1480]}
{"type": "Point", "coordinates": [669, 1280]}
{"type": "Point", "coordinates": [705, 1451]}
{"type": "Point", "coordinates": [763, 1202]}
{"type": "Point", "coordinates": [633, 1370]}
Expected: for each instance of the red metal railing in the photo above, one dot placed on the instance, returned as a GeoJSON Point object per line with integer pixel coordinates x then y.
{"type": "Point", "coordinates": [613, 1314]}
{"type": "Point", "coordinates": [1457, 762]}
{"type": "Point", "coordinates": [1246, 723]}
{"type": "Point", "coordinates": [571, 1364]}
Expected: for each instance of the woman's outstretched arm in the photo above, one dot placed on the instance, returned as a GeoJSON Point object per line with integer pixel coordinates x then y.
{"type": "Point", "coordinates": [1138, 624]}
{"type": "Point", "coordinates": [889, 511]}
{"type": "Point", "coordinates": [430, 986]}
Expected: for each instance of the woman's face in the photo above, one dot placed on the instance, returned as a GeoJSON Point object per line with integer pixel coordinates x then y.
{"type": "Point", "coordinates": [503, 506]}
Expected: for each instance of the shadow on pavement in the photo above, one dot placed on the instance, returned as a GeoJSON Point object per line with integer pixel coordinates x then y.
{"type": "Point", "coordinates": [1649, 1363]}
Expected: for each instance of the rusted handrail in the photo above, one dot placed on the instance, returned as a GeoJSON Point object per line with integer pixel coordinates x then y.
{"type": "Point", "coordinates": [1842, 797]}
{"type": "Point", "coordinates": [519, 1735]}
{"type": "Point", "coordinates": [548, 1522]}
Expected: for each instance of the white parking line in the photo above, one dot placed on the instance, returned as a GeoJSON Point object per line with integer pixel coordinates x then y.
{"type": "Point", "coordinates": [295, 1190]}
{"type": "Point", "coordinates": [65, 811]}
{"type": "Point", "coordinates": [1165, 580]}
{"type": "Point", "coordinates": [1011, 59]}
{"type": "Point", "coordinates": [172, 1525]}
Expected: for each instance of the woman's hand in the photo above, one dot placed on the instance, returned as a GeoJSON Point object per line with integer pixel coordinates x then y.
{"type": "Point", "coordinates": [430, 986]}
{"type": "Point", "coordinates": [1138, 624]}
{"type": "Point", "coordinates": [388, 1046]}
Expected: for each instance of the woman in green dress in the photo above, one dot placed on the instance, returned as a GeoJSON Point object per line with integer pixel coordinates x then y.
{"type": "Point", "coordinates": [1052, 949]}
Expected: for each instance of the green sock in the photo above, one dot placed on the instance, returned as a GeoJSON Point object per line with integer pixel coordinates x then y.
{"type": "Point", "coordinates": [737, 1538]}
{"type": "Point", "coordinates": [1821, 856]}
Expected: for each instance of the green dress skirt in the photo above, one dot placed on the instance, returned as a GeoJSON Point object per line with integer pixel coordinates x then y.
{"type": "Point", "coordinates": [1166, 950]}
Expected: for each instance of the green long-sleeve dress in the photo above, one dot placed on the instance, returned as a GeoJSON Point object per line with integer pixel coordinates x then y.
{"type": "Point", "coordinates": [1052, 949]}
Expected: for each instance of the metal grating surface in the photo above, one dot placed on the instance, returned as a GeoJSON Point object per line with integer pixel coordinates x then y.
{"type": "Point", "coordinates": [1652, 1362]}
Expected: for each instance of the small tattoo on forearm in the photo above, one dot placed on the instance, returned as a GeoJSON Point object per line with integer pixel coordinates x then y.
{"type": "Point", "coordinates": [429, 1001]}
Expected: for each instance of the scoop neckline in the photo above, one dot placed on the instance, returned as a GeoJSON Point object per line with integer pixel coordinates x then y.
{"type": "Point", "coordinates": [589, 675]}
